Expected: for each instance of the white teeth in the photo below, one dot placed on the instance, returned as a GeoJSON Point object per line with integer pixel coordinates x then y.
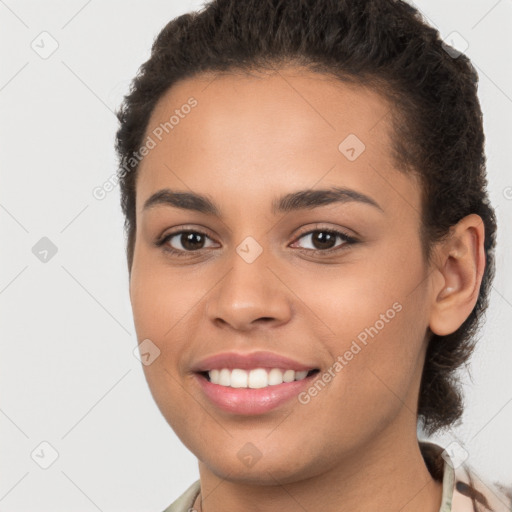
{"type": "Point", "coordinates": [224, 377]}
{"type": "Point", "coordinates": [289, 376]}
{"type": "Point", "coordinates": [301, 375]}
{"type": "Point", "coordinates": [258, 378]}
{"type": "Point", "coordinates": [239, 379]}
{"type": "Point", "coordinates": [214, 376]}
{"type": "Point", "coordinates": [275, 376]}
{"type": "Point", "coordinates": [254, 379]}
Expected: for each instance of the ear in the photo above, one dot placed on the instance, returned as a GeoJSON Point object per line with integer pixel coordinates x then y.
{"type": "Point", "coordinates": [459, 267]}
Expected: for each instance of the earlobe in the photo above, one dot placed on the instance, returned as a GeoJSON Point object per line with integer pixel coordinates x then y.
{"type": "Point", "coordinates": [460, 267]}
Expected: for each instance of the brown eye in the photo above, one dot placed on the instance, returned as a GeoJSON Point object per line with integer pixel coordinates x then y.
{"type": "Point", "coordinates": [191, 241]}
{"type": "Point", "coordinates": [185, 241]}
{"type": "Point", "coordinates": [324, 240]}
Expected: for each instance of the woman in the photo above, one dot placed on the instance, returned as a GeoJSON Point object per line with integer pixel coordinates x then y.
{"type": "Point", "coordinates": [310, 247]}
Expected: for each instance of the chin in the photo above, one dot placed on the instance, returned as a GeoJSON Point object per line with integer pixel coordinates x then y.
{"type": "Point", "coordinates": [248, 466]}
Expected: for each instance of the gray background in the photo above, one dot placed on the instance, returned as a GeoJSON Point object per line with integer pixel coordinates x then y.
{"type": "Point", "coordinates": [67, 371]}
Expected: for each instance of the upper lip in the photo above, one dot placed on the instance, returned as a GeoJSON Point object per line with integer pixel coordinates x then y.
{"type": "Point", "coordinates": [251, 360]}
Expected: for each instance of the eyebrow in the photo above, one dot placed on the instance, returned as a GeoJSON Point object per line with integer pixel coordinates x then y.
{"type": "Point", "coordinates": [294, 201]}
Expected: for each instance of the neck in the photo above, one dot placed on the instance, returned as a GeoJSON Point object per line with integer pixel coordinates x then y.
{"type": "Point", "coordinates": [388, 474]}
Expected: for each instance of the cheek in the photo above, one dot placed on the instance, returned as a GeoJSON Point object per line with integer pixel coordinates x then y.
{"type": "Point", "coordinates": [176, 404]}
{"type": "Point", "coordinates": [159, 311]}
{"type": "Point", "coordinates": [390, 273]}
{"type": "Point", "coordinates": [375, 380]}
{"type": "Point", "coordinates": [162, 301]}
{"type": "Point", "coordinates": [367, 293]}
{"type": "Point", "coordinates": [375, 312]}
{"type": "Point", "coordinates": [164, 304]}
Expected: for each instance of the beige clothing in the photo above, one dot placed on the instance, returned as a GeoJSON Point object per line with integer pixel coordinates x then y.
{"type": "Point", "coordinates": [463, 490]}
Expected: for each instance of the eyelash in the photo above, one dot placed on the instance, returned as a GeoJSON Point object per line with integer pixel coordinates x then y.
{"type": "Point", "coordinates": [348, 240]}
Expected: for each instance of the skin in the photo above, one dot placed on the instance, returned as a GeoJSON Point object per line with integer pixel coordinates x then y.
{"type": "Point", "coordinates": [249, 140]}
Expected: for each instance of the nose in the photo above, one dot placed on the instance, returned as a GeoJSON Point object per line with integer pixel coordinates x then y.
{"type": "Point", "coordinates": [249, 296]}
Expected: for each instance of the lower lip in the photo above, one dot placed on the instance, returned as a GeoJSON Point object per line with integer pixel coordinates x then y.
{"type": "Point", "coordinates": [252, 401]}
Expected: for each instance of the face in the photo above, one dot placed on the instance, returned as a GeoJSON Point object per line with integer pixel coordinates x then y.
{"type": "Point", "coordinates": [287, 292]}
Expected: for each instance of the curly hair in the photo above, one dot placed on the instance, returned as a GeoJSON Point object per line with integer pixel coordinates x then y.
{"type": "Point", "coordinates": [382, 44]}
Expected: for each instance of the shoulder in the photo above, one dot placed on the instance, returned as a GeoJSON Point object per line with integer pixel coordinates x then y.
{"type": "Point", "coordinates": [474, 492]}
{"type": "Point", "coordinates": [464, 489]}
{"type": "Point", "coordinates": [186, 501]}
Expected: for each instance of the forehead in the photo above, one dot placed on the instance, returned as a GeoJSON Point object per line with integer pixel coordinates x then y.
{"type": "Point", "coordinates": [228, 132]}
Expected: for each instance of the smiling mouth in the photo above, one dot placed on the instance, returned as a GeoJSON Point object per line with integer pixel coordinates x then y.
{"type": "Point", "coordinates": [256, 378]}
